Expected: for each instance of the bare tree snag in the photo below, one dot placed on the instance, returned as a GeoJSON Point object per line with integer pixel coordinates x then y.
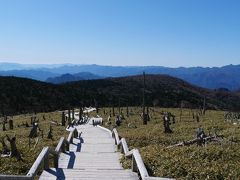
{"type": "Point", "coordinates": [113, 112]}
{"type": "Point", "coordinates": [14, 150]}
{"type": "Point", "coordinates": [69, 116]}
{"type": "Point", "coordinates": [3, 126]}
{"type": "Point", "coordinates": [73, 113]}
{"type": "Point", "coordinates": [10, 124]}
{"type": "Point", "coordinates": [5, 150]}
{"type": "Point", "coordinates": [143, 106]}
{"type": "Point", "coordinates": [63, 118]}
{"type": "Point", "coordinates": [50, 135]}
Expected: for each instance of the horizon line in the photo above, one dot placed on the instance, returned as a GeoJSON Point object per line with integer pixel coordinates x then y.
{"type": "Point", "coordinates": [83, 64]}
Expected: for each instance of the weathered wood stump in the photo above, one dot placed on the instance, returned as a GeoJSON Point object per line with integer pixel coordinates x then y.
{"type": "Point", "coordinates": [5, 149]}
{"type": "Point", "coordinates": [63, 118]}
{"type": "Point", "coordinates": [50, 135]}
{"type": "Point", "coordinates": [34, 131]}
{"type": "Point", "coordinates": [10, 122]}
{"type": "Point", "coordinates": [3, 126]}
{"type": "Point", "coordinates": [14, 150]}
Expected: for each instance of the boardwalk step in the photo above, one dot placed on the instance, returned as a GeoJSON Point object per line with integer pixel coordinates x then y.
{"type": "Point", "coordinates": [93, 155]}
{"type": "Point", "coordinates": [80, 160]}
{"type": "Point", "coordinates": [88, 174]}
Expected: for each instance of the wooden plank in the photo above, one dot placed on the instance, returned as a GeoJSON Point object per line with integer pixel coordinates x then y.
{"type": "Point", "coordinates": [140, 165]}
{"type": "Point", "coordinates": [60, 145]}
{"type": "Point", "coordinates": [35, 167]}
{"type": "Point", "coordinates": [117, 141]}
{"type": "Point", "coordinates": [124, 146]}
{"type": "Point", "coordinates": [129, 153]}
{"type": "Point", "coordinates": [88, 174]}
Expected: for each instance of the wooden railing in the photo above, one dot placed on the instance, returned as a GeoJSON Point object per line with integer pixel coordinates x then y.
{"type": "Point", "coordinates": [43, 158]}
{"type": "Point", "coordinates": [137, 162]}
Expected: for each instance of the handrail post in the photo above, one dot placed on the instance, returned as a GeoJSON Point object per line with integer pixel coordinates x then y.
{"type": "Point", "coordinates": [134, 165]}
{"type": "Point", "coordinates": [75, 133]}
{"type": "Point", "coordinates": [46, 160]}
{"type": "Point", "coordinates": [56, 160]}
{"type": "Point", "coordinates": [67, 147]}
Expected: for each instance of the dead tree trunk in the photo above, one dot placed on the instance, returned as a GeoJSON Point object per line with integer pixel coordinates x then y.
{"type": "Point", "coordinates": [80, 113]}
{"type": "Point", "coordinates": [69, 116]}
{"type": "Point", "coordinates": [63, 118]}
{"type": "Point", "coordinates": [14, 150]}
{"type": "Point", "coordinates": [4, 126]}
{"type": "Point", "coordinates": [10, 124]}
{"type": "Point", "coordinates": [5, 150]}
{"type": "Point", "coordinates": [113, 112]}
{"type": "Point", "coordinates": [143, 108]}
{"type": "Point", "coordinates": [73, 114]}
{"type": "Point", "coordinates": [148, 116]}
{"type": "Point", "coordinates": [50, 135]}
{"type": "Point", "coordinates": [204, 106]}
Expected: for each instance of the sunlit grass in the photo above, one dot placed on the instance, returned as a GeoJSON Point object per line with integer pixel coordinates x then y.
{"type": "Point", "coordinates": [214, 161]}
{"type": "Point", "coordinates": [29, 154]}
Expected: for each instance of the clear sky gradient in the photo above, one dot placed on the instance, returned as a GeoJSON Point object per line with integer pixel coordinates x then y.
{"type": "Point", "coordinates": [121, 32]}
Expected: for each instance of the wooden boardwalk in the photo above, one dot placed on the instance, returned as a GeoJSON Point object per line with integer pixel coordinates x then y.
{"type": "Point", "coordinates": [92, 155]}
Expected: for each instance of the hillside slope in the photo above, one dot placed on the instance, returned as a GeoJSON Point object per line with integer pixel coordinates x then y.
{"type": "Point", "coordinates": [19, 95]}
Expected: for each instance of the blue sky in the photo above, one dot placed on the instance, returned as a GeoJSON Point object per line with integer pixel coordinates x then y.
{"type": "Point", "coordinates": [121, 32]}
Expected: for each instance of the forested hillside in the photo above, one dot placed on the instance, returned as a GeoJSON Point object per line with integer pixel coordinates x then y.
{"type": "Point", "coordinates": [19, 95]}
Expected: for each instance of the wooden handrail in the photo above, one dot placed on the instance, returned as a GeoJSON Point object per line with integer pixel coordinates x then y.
{"type": "Point", "coordinates": [137, 162]}
{"type": "Point", "coordinates": [43, 158]}
{"type": "Point", "coordinates": [61, 147]}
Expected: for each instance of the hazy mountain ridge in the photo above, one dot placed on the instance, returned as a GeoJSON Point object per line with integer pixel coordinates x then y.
{"type": "Point", "coordinates": [36, 74]}
{"type": "Point", "coordinates": [72, 77]}
{"type": "Point", "coordinates": [213, 78]}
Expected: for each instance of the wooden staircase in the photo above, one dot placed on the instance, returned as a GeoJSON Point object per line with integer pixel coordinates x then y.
{"type": "Point", "coordinates": [93, 155]}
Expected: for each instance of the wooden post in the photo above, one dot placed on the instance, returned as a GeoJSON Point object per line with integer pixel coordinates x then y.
{"type": "Point", "coordinates": [63, 118]}
{"type": "Point", "coordinates": [148, 117]}
{"type": "Point", "coordinates": [204, 105]}
{"type": "Point", "coordinates": [69, 116]}
{"type": "Point", "coordinates": [14, 150]}
{"type": "Point", "coordinates": [113, 113]}
{"type": "Point", "coordinates": [80, 113]}
{"type": "Point", "coordinates": [10, 124]}
{"type": "Point", "coordinates": [119, 107]}
{"type": "Point", "coordinates": [4, 127]}
{"type": "Point", "coordinates": [96, 105]}
{"type": "Point", "coordinates": [73, 114]}
{"type": "Point", "coordinates": [55, 160]}
{"type": "Point", "coordinates": [134, 165]}
{"type": "Point", "coordinates": [46, 161]}
{"type": "Point", "coordinates": [143, 108]}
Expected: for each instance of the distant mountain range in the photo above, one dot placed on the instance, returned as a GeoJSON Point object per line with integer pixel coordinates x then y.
{"type": "Point", "coordinates": [73, 77]}
{"type": "Point", "coordinates": [227, 77]}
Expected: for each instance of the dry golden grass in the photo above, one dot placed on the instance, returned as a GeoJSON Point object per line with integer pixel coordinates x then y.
{"type": "Point", "coordinates": [29, 155]}
{"type": "Point", "coordinates": [215, 161]}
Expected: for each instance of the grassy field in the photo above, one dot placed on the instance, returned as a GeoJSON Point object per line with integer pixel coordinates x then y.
{"type": "Point", "coordinates": [29, 154]}
{"type": "Point", "coordinates": [216, 160]}
{"type": "Point", "coordinates": [213, 161]}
